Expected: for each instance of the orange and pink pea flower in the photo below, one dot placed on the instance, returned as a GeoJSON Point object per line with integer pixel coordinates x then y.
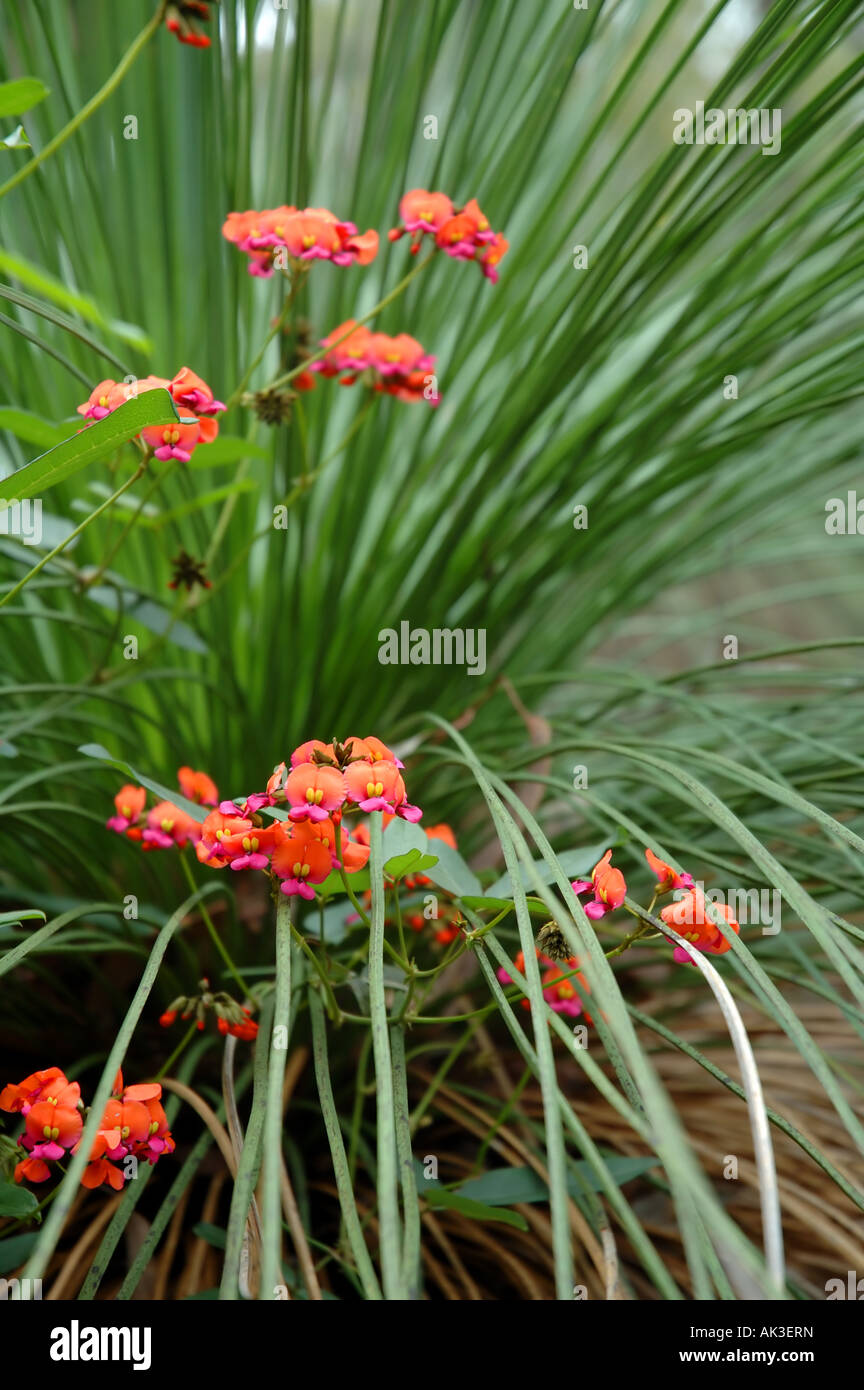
{"type": "Point", "coordinates": [463, 233]}
{"type": "Point", "coordinates": [606, 883]}
{"type": "Point", "coordinates": [188, 391]}
{"type": "Point", "coordinates": [307, 234]}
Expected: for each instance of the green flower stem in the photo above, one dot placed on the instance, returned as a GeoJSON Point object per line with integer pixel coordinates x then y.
{"type": "Point", "coordinates": [341, 1170]}
{"type": "Point", "coordinates": [271, 1204]}
{"type": "Point", "coordinates": [388, 1203]}
{"type": "Point", "coordinates": [399, 924]}
{"type": "Point", "coordinates": [156, 483]}
{"type": "Point", "coordinates": [382, 304]}
{"type": "Point", "coordinates": [276, 328]}
{"type": "Point", "coordinates": [410, 1203]}
{"type": "Point", "coordinates": [332, 1006]}
{"type": "Point", "coordinates": [343, 874]}
{"type": "Point", "coordinates": [93, 104]}
{"type": "Point", "coordinates": [217, 940]}
{"type": "Point", "coordinates": [178, 1051]}
{"type": "Point", "coordinates": [109, 501]}
{"type": "Point", "coordinates": [249, 1164]}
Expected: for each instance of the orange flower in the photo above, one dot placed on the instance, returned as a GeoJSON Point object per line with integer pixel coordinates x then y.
{"type": "Point", "coordinates": [235, 840]}
{"type": "Point", "coordinates": [100, 1171]}
{"type": "Point", "coordinates": [495, 251]}
{"type": "Point", "coordinates": [559, 992]}
{"type": "Point", "coordinates": [300, 859]}
{"type": "Point", "coordinates": [456, 237]}
{"type": "Point", "coordinates": [607, 884]}
{"type": "Point", "coordinates": [197, 786]}
{"type": "Point", "coordinates": [314, 791]}
{"type": "Point", "coordinates": [379, 786]}
{"type": "Point", "coordinates": [303, 753]}
{"type": "Point", "coordinates": [129, 802]}
{"type": "Point", "coordinates": [178, 441]}
{"type": "Point", "coordinates": [32, 1170]}
{"type": "Point", "coordinates": [193, 393]}
{"type": "Point", "coordinates": [102, 400]}
{"type": "Point", "coordinates": [38, 1086]}
{"type": "Point", "coordinates": [349, 354]}
{"type": "Point", "coordinates": [167, 825]}
{"type": "Point", "coordinates": [442, 832]}
{"type": "Point", "coordinates": [667, 877]}
{"type": "Point", "coordinates": [51, 1106]}
{"type": "Point", "coordinates": [421, 211]}
{"type": "Point", "coordinates": [688, 917]}
{"type": "Point", "coordinates": [52, 1128]}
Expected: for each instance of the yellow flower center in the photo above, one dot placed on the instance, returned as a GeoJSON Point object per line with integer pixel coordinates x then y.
{"type": "Point", "coordinates": [374, 788]}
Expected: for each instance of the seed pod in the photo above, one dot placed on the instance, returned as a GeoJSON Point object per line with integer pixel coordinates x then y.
{"type": "Point", "coordinates": [550, 940]}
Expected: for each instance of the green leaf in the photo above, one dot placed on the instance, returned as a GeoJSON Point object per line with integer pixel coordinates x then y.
{"type": "Point", "coordinates": [16, 141]}
{"type": "Point", "coordinates": [18, 96]}
{"type": "Point", "coordinates": [508, 1186]}
{"type": "Point", "coordinates": [95, 750]}
{"type": "Point", "coordinates": [214, 1235]}
{"type": "Point", "coordinates": [31, 428]}
{"type": "Point", "coordinates": [15, 1249]}
{"type": "Point", "coordinates": [402, 836]}
{"type": "Point", "coordinates": [30, 914]}
{"type": "Point", "coordinates": [411, 862]}
{"type": "Point", "coordinates": [16, 1201]}
{"type": "Point", "coordinates": [478, 1211]}
{"type": "Point", "coordinates": [360, 882]}
{"type": "Point", "coordinates": [39, 280]}
{"type": "Point", "coordinates": [89, 445]}
{"type": "Point", "coordinates": [452, 873]}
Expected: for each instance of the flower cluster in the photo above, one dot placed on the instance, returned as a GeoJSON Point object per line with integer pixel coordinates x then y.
{"type": "Point", "coordinates": [275, 236]}
{"type": "Point", "coordinates": [463, 233]}
{"type": "Point", "coordinates": [689, 910]}
{"type": "Point", "coordinates": [231, 1017]}
{"type": "Point", "coordinates": [188, 391]}
{"type": "Point", "coordinates": [180, 19]}
{"type": "Point", "coordinates": [134, 1125]}
{"type": "Point", "coordinates": [398, 366]}
{"type": "Point", "coordinates": [164, 826]}
{"type": "Point", "coordinates": [305, 839]}
{"type": "Point", "coordinates": [558, 989]}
